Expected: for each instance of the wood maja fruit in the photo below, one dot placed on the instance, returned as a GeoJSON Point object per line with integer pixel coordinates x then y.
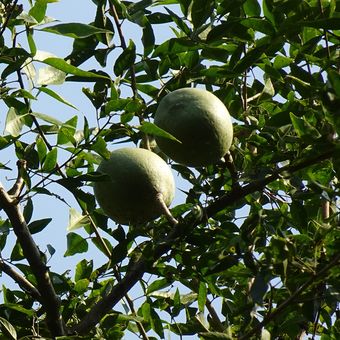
{"type": "Point", "coordinates": [200, 121]}
{"type": "Point", "coordinates": [137, 179]}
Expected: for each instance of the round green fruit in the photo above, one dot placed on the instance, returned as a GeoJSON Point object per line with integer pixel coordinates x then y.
{"type": "Point", "coordinates": [200, 121]}
{"type": "Point", "coordinates": [137, 179]}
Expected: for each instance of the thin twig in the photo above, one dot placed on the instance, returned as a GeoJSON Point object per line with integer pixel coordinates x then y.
{"type": "Point", "coordinates": [232, 169]}
{"type": "Point", "coordinates": [214, 316]}
{"type": "Point", "coordinates": [8, 17]}
{"type": "Point", "coordinates": [114, 13]}
{"type": "Point", "coordinates": [312, 280]}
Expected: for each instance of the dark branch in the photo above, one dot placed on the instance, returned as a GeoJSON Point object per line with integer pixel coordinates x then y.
{"type": "Point", "coordinates": [312, 280]}
{"type": "Point", "coordinates": [19, 183]}
{"type": "Point", "coordinates": [49, 299]}
{"type": "Point", "coordinates": [114, 13]}
{"type": "Point", "coordinates": [8, 17]}
{"type": "Point", "coordinates": [20, 280]}
{"type": "Point", "coordinates": [139, 268]}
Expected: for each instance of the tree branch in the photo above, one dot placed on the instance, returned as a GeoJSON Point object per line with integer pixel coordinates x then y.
{"type": "Point", "coordinates": [240, 192]}
{"type": "Point", "coordinates": [49, 299]}
{"type": "Point", "coordinates": [178, 234]}
{"type": "Point", "coordinates": [136, 272]}
{"type": "Point", "coordinates": [114, 13]}
{"type": "Point", "coordinates": [312, 280]}
{"type": "Point", "coordinates": [8, 17]}
{"type": "Point", "coordinates": [20, 280]}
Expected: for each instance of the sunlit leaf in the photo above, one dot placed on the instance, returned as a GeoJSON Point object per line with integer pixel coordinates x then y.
{"type": "Point", "coordinates": [75, 30]}
{"type": "Point", "coordinates": [50, 161]}
{"type": "Point", "coordinates": [154, 130]}
{"type": "Point", "coordinates": [7, 329]}
{"type": "Point", "coordinates": [76, 220]}
{"type": "Point", "coordinates": [62, 65]}
{"type": "Point", "coordinates": [56, 96]}
{"type": "Point", "coordinates": [14, 122]}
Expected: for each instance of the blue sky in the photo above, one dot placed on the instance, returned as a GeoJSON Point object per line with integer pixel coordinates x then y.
{"type": "Point", "coordinates": [46, 206]}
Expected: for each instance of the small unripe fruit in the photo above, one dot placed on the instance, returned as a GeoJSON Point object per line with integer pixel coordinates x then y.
{"type": "Point", "coordinates": [200, 121]}
{"type": "Point", "coordinates": [137, 180]}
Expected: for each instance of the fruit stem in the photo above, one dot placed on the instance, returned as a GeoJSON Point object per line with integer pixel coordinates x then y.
{"type": "Point", "coordinates": [165, 209]}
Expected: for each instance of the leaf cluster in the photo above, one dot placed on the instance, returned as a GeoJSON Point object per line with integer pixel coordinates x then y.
{"type": "Point", "coordinates": [256, 250]}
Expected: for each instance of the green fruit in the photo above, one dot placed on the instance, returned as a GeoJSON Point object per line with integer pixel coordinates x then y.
{"type": "Point", "coordinates": [137, 178]}
{"type": "Point", "coordinates": [200, 121]}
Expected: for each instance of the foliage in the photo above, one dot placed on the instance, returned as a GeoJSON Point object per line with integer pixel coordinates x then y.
{"type": "Point", "coordinates": [256, 249]}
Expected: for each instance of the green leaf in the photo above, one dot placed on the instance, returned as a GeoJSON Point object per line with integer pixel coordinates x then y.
{"type": "Point", "coordinates": [17, 253]}
{"type": "Point", "coordinates": [56, 96]}
{"type": "Point", "coordinates": [125, 60]}
{"type": "Point", "coordinates": [41, 148]}
{"type": "Point", "coordinates": [81, 286]}
{"type": "Point", "coordinates": [179, 22]}
{"type": "Point", "coordinates": [50, 249]}
{"type": "Point", "coordinates": [83, 270]}
{"type": "Point", "coordinates": [31, 42]}
{"type": "Point", "coordinates": [156, 324]}
{"type": "Point", "coordinates": [76, 220]}
{"type": "Point", "coordinates": [202, 296]}
{"type": "Point", "coordinates": [38, 11]}
{"type": "Point", "coordinates": [299, 215]}
{"type": "Point", "coordinates": [215, 336]}
{"type": "Point", "coordinates": [329, 23]}
{"type": "Point", "coordinates": [175, 46]}
{"type": "Point", "coordinates": [148, 39]}
{"type": "Point", "coordinates": [157, 285]}
{"type": "Point", "coordinates": [46, 118]}
{"type": "Point", "coordinates": [252, 8]}
{"type": "Point", "coordinates": [260, 25]}
{"type": "Point", "coordinates": [14, 122]}
{"type": "Point", "coordinates": [258, 289]}
{"type": "Point", "coordinates": [67, 131]}
{"type": "Point", "coordinates": [334, 79]}
{"type": "Point", "coordinates": [100, 147]}
{"type": "Point", "coordinates": [28, 210]}
{"type": "Point", "coordinates": [249, 59]}
{"type": "Point", "coordinates": [269, 88]}
{"type": "Point", "coordinates": [50, 161]}
{"type": "Point", "coordinates": [62, 65]}
{"type": "Point", "coordinates": [267, 11]}
{"type": "Point", "coordinates": [154, 130]}
{"type": "Point", "coordinates": [282, 61]}
{"type": "Point", "coordinates": [75, 30]}
{"type": "Point", "coordinates": [201, 11]}
{"type": "Point", "coordinates": [18, 308]}
{"type": "Point", "coordinates": [75, 244]}
{"type": "Point", "coordinates": [38, 225]}
{"type": "Point", "coordinates": [303, 128]}
{"type": "Point", "coordinates": [7, 329]}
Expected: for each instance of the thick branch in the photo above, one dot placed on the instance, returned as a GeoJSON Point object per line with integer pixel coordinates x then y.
{"type": "Point", "coordinates": [138, 269]}
{"type": "Point", "coordinates": [240, 192]}
{"type": "Point", "coordinates": [20, 280]}
{"type": "Point", "coordinates": [122, 287]}
{"type": "Point", "coordinates": [49, 299]}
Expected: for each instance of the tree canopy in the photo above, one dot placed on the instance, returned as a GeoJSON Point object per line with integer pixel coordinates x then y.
{"type": "Point", "coordinates": [256, 250]}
